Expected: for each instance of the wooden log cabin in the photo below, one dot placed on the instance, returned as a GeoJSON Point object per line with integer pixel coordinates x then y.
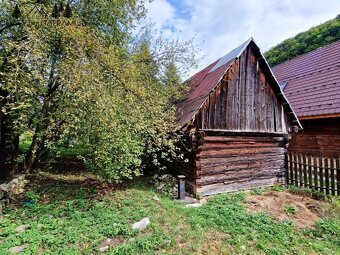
{"type": "Point", "coordinates": [311, 83]}
{"type": "Point", "coordinates": [236, 123]}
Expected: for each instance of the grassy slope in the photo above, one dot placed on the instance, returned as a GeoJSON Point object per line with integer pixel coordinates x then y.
{"type": "Point", "coordinates": [73, 214]}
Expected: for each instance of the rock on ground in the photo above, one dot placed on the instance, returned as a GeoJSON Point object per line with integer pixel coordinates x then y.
{"type": "Point", "coordinates": [21, 228]}
{"type": "Point", "coordinates": [193, 205]}
{"type": "Point", "coordinates": [166, 184]}
{"type": "Point", "coordinates": [17, 249]}
{"type": "Point", "coordinates": [141, 225]}
{"type": "Point", "coordinates": [156, 198]}
{"type": "Point", "coordinates": [111, 242]}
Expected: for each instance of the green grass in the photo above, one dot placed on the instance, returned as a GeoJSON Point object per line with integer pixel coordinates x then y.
{"type": "Point", "coordinates": [290, 209]}
{"type": "Point", "coordinates": [73, 213]}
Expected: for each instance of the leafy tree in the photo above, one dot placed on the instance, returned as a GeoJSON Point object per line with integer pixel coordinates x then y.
{"type": "Point", "coordinates": [73, 75]}
{"type": "Point", "coordinates": [305, 42]}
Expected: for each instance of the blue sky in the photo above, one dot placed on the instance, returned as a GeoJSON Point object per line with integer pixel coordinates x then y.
{"type": "Point", "coordinates": [221, 25]}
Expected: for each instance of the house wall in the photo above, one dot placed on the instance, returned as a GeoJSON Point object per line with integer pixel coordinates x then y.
{"type": "Point", "coordinates": [244, 100]}
{"type": "Point", "coordinates": [319, 137]}
{"type": "Point", "coordinates": [243, 132]}
{"type": "Point", "coordinates": [232, 162]}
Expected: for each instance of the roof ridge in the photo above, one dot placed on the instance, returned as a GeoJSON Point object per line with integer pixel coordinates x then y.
{"type": "Point", "coordinates": [235, 53]}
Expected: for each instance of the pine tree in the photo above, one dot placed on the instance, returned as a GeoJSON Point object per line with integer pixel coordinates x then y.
{"type": "Point", "coordinates": [61, 7]}
{"type": "Point", "coordinates": [55, 11]}
{"type": "Point", "coordinates": [16, 12]}
{"type": "Point", "coordinates": [172, 82]}
{"type": "Point", "coordinates": [68, 11]}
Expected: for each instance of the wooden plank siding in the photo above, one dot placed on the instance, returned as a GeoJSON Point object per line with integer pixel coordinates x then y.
{"type": "Point", "coordinates": [244, 100]}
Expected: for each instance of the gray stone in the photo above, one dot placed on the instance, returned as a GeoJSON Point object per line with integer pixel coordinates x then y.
{"type": "Point", "coordinates": [160, 187]}
{"type": "Point", "coordinates": [21, 228]}
{"type": "Point", "coordinates": [188, 200]}
{"type": "Point", "coordinates": [111, 242]}
{"type": "Point", "coordinates": [203, 201]}
{"type": "Point", "coordinates": [104, 246]}
{"type": "Point", "coordinates": [2, 194]}
{"type": "Point", "coordinates": [141, 225]}
{"type": "Point", "coordinates": [193, 205]}
{"type": "Point", "coordinates": [18, 249]}
{"type": "Point", "coordinates": [4, 187]}
{"type": "Point", "coordinates": [167, 178]}
{"type": "Point", "coordinates": [156, 198]}
{"type": "Point", "coordinates": [164, 176]}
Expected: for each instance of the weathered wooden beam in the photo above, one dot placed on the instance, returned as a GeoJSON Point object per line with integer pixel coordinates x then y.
{"type": "Point", "coordinates": [217, 132]}
{"type": "Point", "coordinates": [221, 187]}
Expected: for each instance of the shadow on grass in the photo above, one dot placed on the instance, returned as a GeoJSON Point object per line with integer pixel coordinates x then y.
{"type": "Point", "coordinates": [68, 179]}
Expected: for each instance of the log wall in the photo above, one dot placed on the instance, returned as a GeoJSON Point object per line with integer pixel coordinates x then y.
{"type": "Point", "coordinates": [232, 163]}
{"type": "Point", "coordinates": [319, 137]}
{"type": "Point", "coordinates": [244, 100]}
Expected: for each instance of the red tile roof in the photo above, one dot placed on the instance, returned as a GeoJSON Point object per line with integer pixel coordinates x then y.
{"type": "Point", "coordinates": [313, 81]}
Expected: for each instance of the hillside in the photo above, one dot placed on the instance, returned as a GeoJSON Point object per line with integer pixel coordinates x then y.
{"type": "Point", "coordinates": [304, 42]}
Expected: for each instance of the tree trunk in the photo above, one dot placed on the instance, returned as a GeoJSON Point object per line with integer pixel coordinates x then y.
{"type": "Point", "coordinates": [36, 152]}
{"type": "Point", "coordinates": [39, 137]}
{"type": "Point", "coordinates": [9, 142]}
{"type": "Point", "coordinates": [30, 154]}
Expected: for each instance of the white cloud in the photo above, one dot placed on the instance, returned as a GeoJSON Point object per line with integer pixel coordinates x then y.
{"type": "Point", "coordinates": [160, 12]}
{"type": "Point", "coordinates": [223, 25]}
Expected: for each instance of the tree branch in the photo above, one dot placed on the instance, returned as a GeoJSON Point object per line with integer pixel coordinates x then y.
{"type": "Point", "coordinates": [9, 26]}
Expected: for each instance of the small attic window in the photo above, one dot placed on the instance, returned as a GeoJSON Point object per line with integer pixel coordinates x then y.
{"type": "Point", "coordinates": [283, 85]}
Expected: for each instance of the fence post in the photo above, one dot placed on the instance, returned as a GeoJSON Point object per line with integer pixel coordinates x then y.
{"type": "Point", "coordinates": [327, 175]}
{"type": "Point", "coordinates": [304, 162]}
{"type": "Point", "coordinates": [321, 171]}
{"type": "Point", "coordinates": [286, 166]}
{"type": "Point", "coordinates": [310, 174]}
{"type": "Point", "coordinates": [291, 159]}
{"type": "Point", "coordinates": [338, 176]}
{"type": "Point", "coordinates": [300, 170]}
{"type": "Point", "coordinates": [295, 170]}
{"type": "Point", "coordinates": [332, 168]}
{"type": "Point", "coordinates": [181, 186]}
{"type": "Point", "coordinates": [316, 162]}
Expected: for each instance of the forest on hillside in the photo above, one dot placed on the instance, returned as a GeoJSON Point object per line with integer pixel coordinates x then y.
{"type": "Point", "coordinates": [304, 42]}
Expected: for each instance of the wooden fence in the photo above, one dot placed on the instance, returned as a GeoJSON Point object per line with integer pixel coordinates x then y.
{"type": "Point", "coordinates": [322, 174]}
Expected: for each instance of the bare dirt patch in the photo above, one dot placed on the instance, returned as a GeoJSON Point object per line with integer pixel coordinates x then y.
{"type": "Point", "coordinates": [283, 205]}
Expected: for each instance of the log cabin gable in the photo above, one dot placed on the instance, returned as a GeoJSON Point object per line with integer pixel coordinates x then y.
{"type": "Point", "coordinates": [245, 99]}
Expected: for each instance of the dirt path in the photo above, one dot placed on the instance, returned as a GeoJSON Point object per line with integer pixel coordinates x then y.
{"type": "Point", "coordinates": [283, 205]}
